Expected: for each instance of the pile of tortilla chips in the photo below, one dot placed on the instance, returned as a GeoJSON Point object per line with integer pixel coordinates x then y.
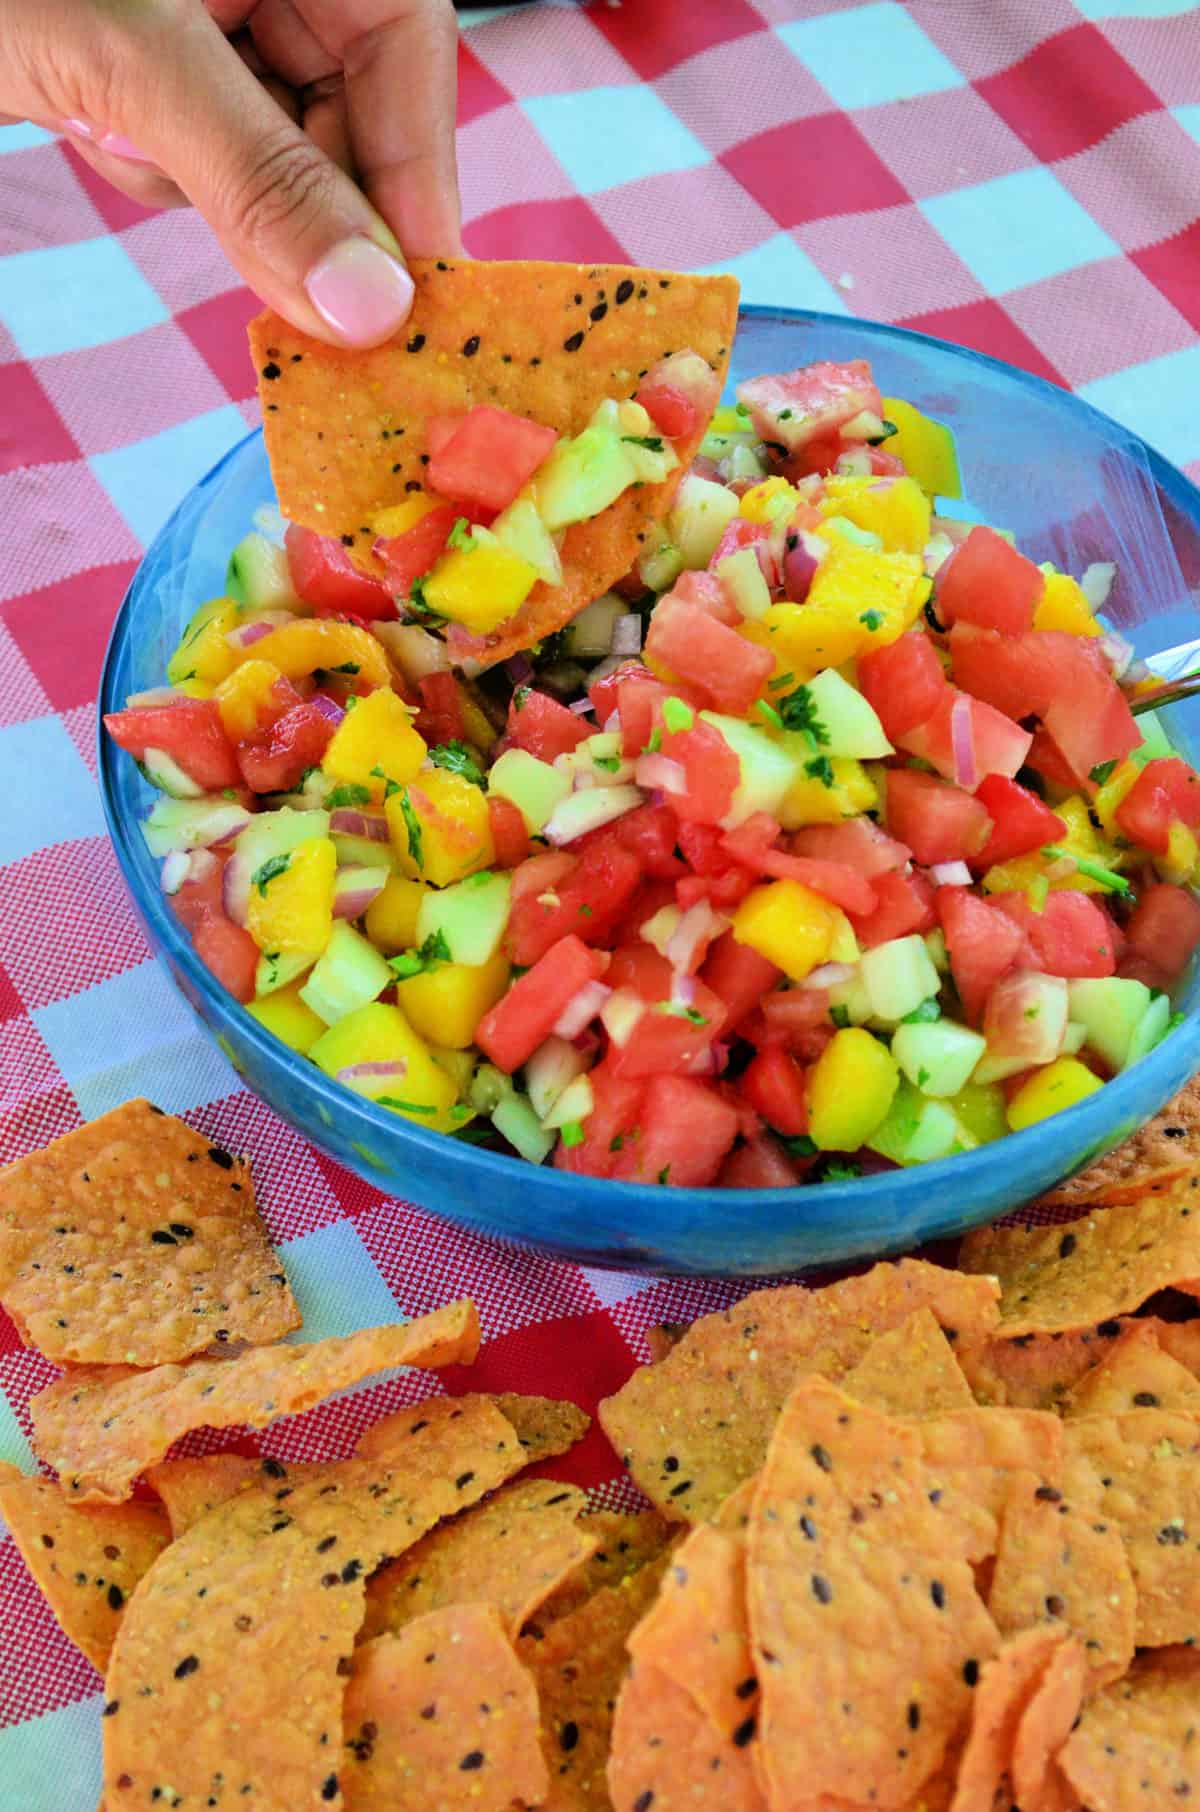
{"type": "Point", "coordinates": [923, 1540]}
{"type": "Point", "coordinates": [347, 433]}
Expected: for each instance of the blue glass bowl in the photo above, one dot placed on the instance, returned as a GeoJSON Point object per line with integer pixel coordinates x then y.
{"type": "Point", "coordinates": [1075, 488]}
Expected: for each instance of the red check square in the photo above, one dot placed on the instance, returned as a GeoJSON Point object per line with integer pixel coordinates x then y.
{"type": "Point", "coordinates": [653, 39]}
{"type": "Point", "coordinates": [1173, 266]}
{"type": "Point", "coordinates": [478, 90]}
{"type": "Point", "coordinates": [62, 631]}
{"type": "Point", "coordinates": [569, 228]}
{"type": "Point", "coordinates": [32, 432]}
{"type": "Point", "coordinates": [1069, 93]}
{"type": "Point", "coordinates": [986, 327]}
{"type": "Point", "coordinates": [813, 169]}
{"type": "Point", "coordinates": [217, 329]}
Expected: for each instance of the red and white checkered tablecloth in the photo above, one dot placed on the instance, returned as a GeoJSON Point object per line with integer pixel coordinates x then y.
{"type": "Point", "coordinates": [1022, 176]}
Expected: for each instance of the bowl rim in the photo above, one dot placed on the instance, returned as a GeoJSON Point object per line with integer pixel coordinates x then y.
{"type": "Point", "coordinates": [745, 1209]}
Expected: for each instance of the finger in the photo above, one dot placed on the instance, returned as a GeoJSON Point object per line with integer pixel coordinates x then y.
{"type": "Point", "coordinates": [300, 232]}
{"type": "Point", "coordinates": [326, 123]}
{"type": "Point", "coordinates": [401, 83]}
{"type": "Point", "coordinates": [289, 46]}
{"type": "Point", "coordinates": [140, 181]}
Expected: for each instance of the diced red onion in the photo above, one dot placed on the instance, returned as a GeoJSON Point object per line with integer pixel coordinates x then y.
{"type": "Point", "coordinates": [659, 771]}
{"type": "Point", "coordinates": [246, 634]}
{"type": "Point", "coordinates": [355, 888]}
{"type": "Point", "coordinates": [175, 870]}
{"type": "Point", "coordinates": [962, 743]}
{"type": "Point", "coordinates": [581, 706]}
{"type": "Point", "coordinates": [356, 1072]}
{"type": "Point", "coordinates": [519, 668]}
{"type": "Point", "coordinates": [154, 695]}
{"type": "Point", "coordinates": [236, 827]}
{"type": "Point", "coordinates": [328, 707]}
{"type": "Point", "coordinates": [201, 863]}
{"type": "Point", "coordinates": [581, 1009]}
{"type": "Point", "coordinates": [608, 665]}
{"type": "Point", "coordinates": [347, 822]}
{"type": "Point", "coordinates": [828, 975]}
{"type": "Point", "coordinates": [627, 635]}
{"type": "Point", "coordinates": [586, 1043]}
{"type": "Point", "coordinates": [950, 874]}
{"type": "Point", "coordinates": [692, 936]}
{"type": "Point", "coordinates": [713, 1060]}
{"type": "Point", "coordinates": [1097, 582]}
{"type": "Point", "coordinates": [683, 990]}
{"type": "Point", "coordinates": [612, 724]}
{"type": "Point", "coordinates": [799, 566]}
{"type": "Point", "coordinates": [1117, 652]}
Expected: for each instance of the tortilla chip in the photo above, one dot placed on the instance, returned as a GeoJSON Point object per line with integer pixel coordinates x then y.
{"type": "Point", "coordinates": [911, 1371]}
{"type": "Point", "coordinates": [1149, 1161]}
{"type": "Point", "coordinates": [1137, 1745]}
{"type": "Point", "coordinates": [1060, 1565]}
{"type": "Point", "coordinates": [99, 1432]}
{"type": "Point", "coordinates": [86, 1561]}
{"type": "Point", "coordinates": [441, 1714]}
{"type": "Point", "coordinates": [973, 1453]}
{"type": "Point", "coordinates": [697, 1632]}
{"type": "Point", "coordinates": [1182, 1340]}
{"type": "Point", "coordinates": [863, 1608]}
{"type": "Point", "coordinates": [134, 1241]}
{"type": "Point", "coordinates": [544, 1425]}
{"type": "Point", "coordinates": [693, 1426]}
{"type": "Point", "coordinates": [346, 431]}
{"type": "Point", "coordinates": [1144, 1477]}
{"type": "Point", "coordinates": [667, 1754]}
{"type": "Point", "coordinates": [511, 1552]}
{"type": "Point", "coordinates": [1047, 1722]}
{"type": "Point", "coordinates": [1060, 1279]}
{"type": "Point", "coordinates": [1036, 1371]}
{"type": "Point", "coordinates": [626, 1540]}
{"type": "Point", "coordinates": [663, 1338]}
{"type": "Point", "coordinates": [1135, 1373]}
{"type": "Point", "coordinates": [578, 1664]}
{"type": "Point", "coordinates": [229, 1660]}
{"type": "Point", "coordinates": [192, 1486]}
{"type": "Point", "coordinates": [1006, 1685]}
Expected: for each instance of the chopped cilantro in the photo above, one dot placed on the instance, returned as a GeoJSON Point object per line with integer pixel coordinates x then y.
{"type": "Point", "coordinates": [655, 742]}
{"type": "Point", "coordinates": [519, 697]}
{"type": "Point", "coordinates": [1095, 871]}
{"type": "Point", "coordinates": [350, 793]}
{"type": "Point", "coordinates": [1101, 772]}
{"type": "Point", "coordinates": [585, 912]}
{"type": "Point", "coordinates": [784, 679]}
{"type": "Point", "coordinates": [610, 763]}
{"type": "Point", "coordinates": [841, 1171]}
{"type": "Point", "coordinates": [768, 713]}
{"type": "Point", "coordinates": [227, 792]}
{"type": "Point", "coordinates": [433, 951]}
{"type": "Point", "coordinates": [1176, 1019]}
{"type": "Point", "coordinates": [1157, 993]}
{"type": "Point", "coordinates": [346, 667]}
{"type": "Point", "coordinates": [677, 715]}
{"type": "Point", "coordinates": [462, 1110]}
{"type": "Point", "coordinates": [416, 603]}
{"type": "Point", "coordinates": [457, 759]}
{"type": "Point", "coordinates": [871, 619]}
{"type": "Point", "coordinates": [889, 428]}
{"type": "Point", "coordinates": [262, 877]}
{"type": "Point", "coordinates": [390, 786]}
{"type": "Point", "coordinates": [799, 712]}
{"type": "Point", "coordinates": [572, 1133]}
{"type": "Point", "coordinates": [651, 442]}
{"type": "Point", "coordinates": [785, 415]}
{"type": "Point", "coordinates": [664, 1174]}
{"type": "Point", "coordinates": [800, 1147]}
{"type": "Point", "coordinates": [351, 702]}
{"type": "Point", "coordinates": [922, 1076]}
{"type": "Point", "coordinates": [923, 1015]}
{"type": "Point", "coordinates": [404, 1107]}
{"type": "Point", "coordinates": [460, 536]}
{"type": "Point", "coordinates": [676, 1010]}
{"type": "Point", "coordinates": [1033, 1013]}
{"type": "Point", "coordinates": [616, 1142]}
{"type": "Point", "coordinates": [820, 768]}
{"type": "Point", "coordinates": [840, 1016]}
{"type": "Point", "coordinates": [741, 409]}
{"type": "Point", "coordinates": [412, 825]}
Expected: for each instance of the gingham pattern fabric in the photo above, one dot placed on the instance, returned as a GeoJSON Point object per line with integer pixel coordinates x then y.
{"type": "Point", "coordinates": [1022, 176]}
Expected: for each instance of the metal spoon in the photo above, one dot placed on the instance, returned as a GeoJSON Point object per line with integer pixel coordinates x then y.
{"type": "Point", "coordinates": [1177, 685]}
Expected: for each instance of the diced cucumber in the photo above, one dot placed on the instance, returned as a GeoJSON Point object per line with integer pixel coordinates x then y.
{"type": "Point", "coordinates": [898, 976]}
{"type": "Point", "coordinates": [515, 1120]}
{"type": "Point", "coordinates": [489, 1087]}
{"type": "Point", "coordinates": [601, 757]}
{"type": "Point", "coordinates": [581, 478]}
{"type": "Point", "coordinates": [699, 519]}
{"type": "Point", "coordinates": [660, 569]}
{"type": "Point", "coordinates": [267, 834]}
{"type": "Point", "coordinates": [993, 1068]}
{"type": "Point", "coordinates": [192, 823]}
{"type": "Point", "coordinates": [1150, 1029]}
{"type": "Point", "coordinates": [259, 577]}
{"type": "Point", "coordinates": [348, 974]}
{"type": "Point", "coordinates": [855, 462]}
{"type": "Point", "coordinates": [585, 811]}
{"type": "Point", "coordinates": [938, 1058]}
{"type": "Point", "coordinates": [575, 1103]}
{"type": "Point", "coordinates": [851, 724]}
{"type": "Point", "coordinates": [533, 786]}
{"type": "Point", "coordinates": [279, 968]}
{"type": "Point", "coordinates": [414, 650]}
{"type": "Point", "coordinates": [850, 531]}
{"type": "Point", "coordinates": [742, 462]}
{"type": "Point", "coordinates": [741, 574]}
{"type": "Point", "coordinates": [767, 770]}
{"type": "Point", "coordinates": [168, 776]}
{"type": "Point", "coordinates": [588, 637]}
{"type": "Point", "coordinates": [916, 1130]}
{"type": "Point", "coordinates": [980, 1111]}
{"type": "Point", "coordinates": [719, 445]}
{"type": "Point", "coordinates": [939, 956]}
{"type": "Point", "coordinates": [1074, 1038]}
{"type": "Point", "coordinates": [521, 530]}
{"type": "Point", "coordinates": [849, 1001]}
{"type": "Point", "coordinates": [362, 852]}
{"type": "Point", "coordinates": [1109, 1010]}
{"type": "Point", "coordinates": [471, 916]}
{"type": "Point", "coordinates": [551, 1069]}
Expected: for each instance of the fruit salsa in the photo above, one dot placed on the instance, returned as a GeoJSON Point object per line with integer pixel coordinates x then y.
{"type": "Point", "coordinates": [823, 840]}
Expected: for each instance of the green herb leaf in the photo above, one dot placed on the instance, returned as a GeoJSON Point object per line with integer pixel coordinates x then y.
{"type": "Point", "coordinates": [799, 712]}
{"type": "Point", "coordinates": [571, 1133]}
{"type": "Point", "coordinates": [675, 1009]}
{"type": "Point", "coordinates": [412, 825]}
{"type": "Point", "coordinates": [924, 1015]}
{"type": "Point", "coordinates": [227, 792]}
{"type": "Point", "coordinates": [616, 1142]}
{"type": "Point", "coordinates": [456, 758]}
{"type": "Point", "coordinates": [390, 786]}
{"type": "Point", "coordinates": [871, 619]}
{"type": "Point", "coordinates": [820, 768]}
{"type": "Point", "coordinates": [519, 697]}
{"type": "Point", "coordinates": [800, 1147]}
{"type": "Point", "coordinates": [417, 605]}
{"type": "Point", "coordinates": [840, 1017]}
{"type": "Point", "coordinates": [768, 713]}
{"type": "Point", "coordinates": [460, 536]}
{"type": "Point", "coordinates": [785, 679]}
{"type": "Point", "coordinates": [1101, 771]}
{"type": "Point", "coordinates": [840, 1171]}
{"type": "Point", "coordinates": [651, 442]}
{"type": "Point", "coordinates": [655, 742]}
{"type": "Point", "coordinates": [348, 794]}
{"type": "Point", "coordinates": [922, 1076]}
{"type": "Point", "coordinates": [346, 667]}
{"type": "Point", "coordinates": [889, 428]}
{"type": "Point", "coordinates": [433, 951]}
{"type": "Point", "coordinates": [664, 1174]}
{"type": "Point", "coordinates": [785, 415]}
{"type": "Point", "coordinates": [274, 865]}
{"type": "Point", "coordinates": [677, 715]}
{"type": "Point", "coordinates": [610, 763]}
{"type": "Point", "coordinates": [462, 1110]}
{"type": "Point", "coordinates": [1095, 871]}
{"type": "Point", "coordinates": [404, 1107]}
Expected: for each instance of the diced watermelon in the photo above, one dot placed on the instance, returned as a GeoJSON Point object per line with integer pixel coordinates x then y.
{"type": "Point", "coordinates": [998, 745]}
{"type": "Point", "coordinates": [987, 582]}
{"type": "Point", "coordinates": [686, 1130]}
{"type": "Point", "coordinates": [440, 718]}
{"type": "Point", "coordinates": [616, 1106]}
{"type": "Point", "coordinates": [1165, 792]}
{"type": "Point", "coordinates": [775, 1086]}
{"type": "Point", "coordinates": [711, 773]}
{"type": "Point", "coordinates": [858, 842]}
{"type": "Point", "coordinates": [728, 670]}
{"type": "Point", "coordinates": [1020, 821]}
{"type": "Point", "coordinates": [672, 413]}
{"type": "Point", "coordinates": [984, 944]}
{"type": "Point", "coordinates": [274, 761]}
{"type": "Point", "coordinates": [754, 844]}
{"type": "Point", "coordinates": [938, 821]}
{"type": "Point", "coordinates": [761, 1163]}
{"type": "Point", "coordinates": [543, 727]}
{"type": "Point", "coordinates": [707, 593]}
{"type": "Point", "coordinates": [1061, 678]}
{"type": "Point", "coordinates": [650, 833]}
{"type": "Point", "coordinates": [325, 577]}
{"type": "Point", "coordinates": [510, 839]}
{"type": "Point", "coordinates": [903, 904]}
{"type": "Point", "coordinates": [523, 1018]}
{"type": "Point", "coordinates": [410, 556]}
{"type": "Point", "coordinates": [1070, 936]}
{"type": "Point", "coordinates": [190, 732]}
{"type": "Point", "coordinates": [792, 408]}
{"type": "Point", "coordinates": [903, 682]}
{"type": "Point", "coordinates": [587, 901]}
{"type": "Point", "coordinates": [1164, 928]}
{"type": "Point", "coordinates": [489, 456]}
{"type": "Point", "coordinates": [739, 976]}
{"type": "Point", "coordinates": [669, 1039]}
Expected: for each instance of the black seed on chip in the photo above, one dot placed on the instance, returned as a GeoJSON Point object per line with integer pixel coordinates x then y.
{"type": "Point", "coordinates": [472, 1760]}
{"type": "Point", "coordinates": [1067, 1245]}
{"type": "Point", "coordinates": [416, 343]}
{"type": "Point", "coordinates": [970, 1672]}
{"type": "Point", "coordinates": [1048, 1494]}
{"type": "Point", "coordinates": [471, 346]}
{"type": "Point", "coordinates": [1145, 1399]}
{"type": "Point", "coordinates": [181, 1230]}
{"type": "Point", "coordinates": [187, 1666]}
{"type": "Point", "coordinates": [568, 1736]}
{"type": "Point", "coordinates": [821, 1457]}
{"type": "Point", "coordinates": [808, 1528]}
{"type": "Point", "coordinates": [221, 1158]}
{"type": "Point", "coordinates": [744, 1688]}
{"type": "Point", "coordinates": [937, 1592]}
{"type": "Point", "coordinates": [271, 372]}
{"type": "Point", "coordinates": [624, 290]}
{"type": "Point", "coordinates": [274, 1469]}
{"type": "Point", "coordinates": [681, 1489]}
{"type": "Point", "coordinates": [160, 1237]}
{"type": "Point", "coordinates": [598, 313]}
{"type": "Point", "coordinates": [116, 1597]}
{"type": "Point", "coordinates": [914, 1716]}
{"type": "Point", "coordinates": [574, 342]}
{"type": "Point", "coordinates": [111, 1709]}
{"type": "Point", "coordinates": [1108, 1330]}
{"type": "Point", "coordinates": [329, 1787]}
{"type": "Point", "coordinates": [822, 1591]}
{"type": "Point", "coordinates": [645, 1800]}
{"type": "Point", "coordinates": [326, 1542]}
{"type": "Point", "coordinates": [1055, 1605]}
{"type": "Point", "coordinates": [670, 1464]}
{"type": "Point", "coordinates": [351, 1570]}
{"type": "Point", "coordinates": [463, 1479]}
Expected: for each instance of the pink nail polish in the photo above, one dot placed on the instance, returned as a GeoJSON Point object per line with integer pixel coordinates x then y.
{"type": "Point", "coordinates": [79, 128]}
{"type": "Point", "coordinates": [118, 146]}
{"type": "Point", "coordinates": [363, 293]}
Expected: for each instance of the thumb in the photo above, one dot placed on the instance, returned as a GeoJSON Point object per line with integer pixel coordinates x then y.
{"type": "Point", "coordinates": [301, 233]}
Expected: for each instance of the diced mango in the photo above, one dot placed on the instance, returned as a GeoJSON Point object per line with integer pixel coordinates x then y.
{"type": "Point", "coordinates": [460, 1066]}
{"type": "Point", "coordinates": [204, 657]}
{"type": "Point", "coordinates": [449, 816]}
{"type": "Point", "coordinates": [1063, 605]}
{"type": "Point", "coordinates": [1183, 852]}
{"type": "Point", "coordinates": [809, 801]}
{"type": "Point", "coordinates": [447, 1002]}
{"type": "Point", "coordinates": [300, 647]}
{"type": "Point", "coordinates": [391, 919]}
{"type": "Point", "coordinates": [291, 1019]}
{"type": "Point", "coordinates": [980, 1110]}
{"type": "Point", "coordinates": [421, 1091]}
{"type": "Point", "coordinates": [764, 502]}
{"type": "Point", "coordinates": [850, 1089]}
{"type": "Point", "coordinates": [398, 518]}
{"type": "Point", "coordinates": [789, 924]}
{"type": "Point", "coordinates": [1060, 1084]}
{"type": "Point", "coordinates": [925, 448]}
{"type": "Point", "coordinates": [480, 585]}
{"type": "Point", "coordinates": [1024, 872]}
{"type": "Point", "coordinates": [244, 697]}
{"type": "Point", "coordinates": [1110, 795]}
{"type": "Point", "coordinates": [895, 509]}
{"type": "Point", "coordinates": [375, 743]}
{"type": "Point", "coordinates": [854, 583]}
{"type": "Point", "coordinates": [803, 639]}
{"type": "Point", "coordinates": [726, 420]}
{"type": "Point", "coordinates": [292, 910]}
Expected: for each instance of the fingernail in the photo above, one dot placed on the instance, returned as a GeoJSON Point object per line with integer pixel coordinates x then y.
{"type": "Point", "coordinates": [79, 128]}
{"type": "Point", "coordinates": [361, 291]}
{"type": "Point", "coordinates": [383, 235]}
{"type": "Point", "coordinates": [118, 146]}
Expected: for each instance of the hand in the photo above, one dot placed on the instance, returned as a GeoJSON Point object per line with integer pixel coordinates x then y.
{"type": "Point", "coordinates": [263, 113]}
